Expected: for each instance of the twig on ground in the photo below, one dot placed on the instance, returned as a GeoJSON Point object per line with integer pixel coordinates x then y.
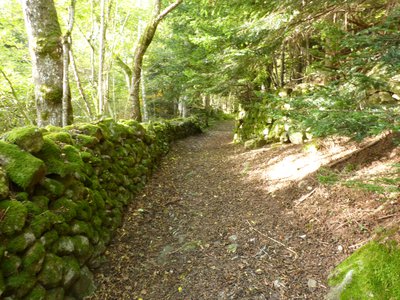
{"type": "Point", "coordinates": [388, 216]}
{"type": "Point", "coordinates": [304, 197]}
{"type": "Point", "coordinates": [359, 244]}
{"type": "Point", "coordinates": [272, 239]}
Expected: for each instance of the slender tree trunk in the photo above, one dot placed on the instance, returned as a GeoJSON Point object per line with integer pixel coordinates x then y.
{"type": "Point", "coordinates": [100, 83]}
{"type": "Point", "coordinates": [16, 99]}
{"type": "Point", "coordinates": [144, 98]}
{"type": "Point", "coordinates": [283, 65]}
{"type": "Point", "coordinates": [140, 50]}
{"type": "Point", "coordinates": [67, 116]}
{"type": "Point", "coordinates": [44, 35]}
{"type": "Point", "coordinates": [79, 85]}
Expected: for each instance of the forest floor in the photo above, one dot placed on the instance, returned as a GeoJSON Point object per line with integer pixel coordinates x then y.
{"type": "Point", "coordinates": [217, 221]}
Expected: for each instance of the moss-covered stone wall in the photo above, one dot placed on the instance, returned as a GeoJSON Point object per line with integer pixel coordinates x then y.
{"type": "Point", "coordinates": [62, 194]}
{"type": "Point", "coordinates": [268, 121]}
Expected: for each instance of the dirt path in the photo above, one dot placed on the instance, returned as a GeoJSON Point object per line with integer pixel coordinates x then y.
{"type": "Point", "coordinates": [207, 226]}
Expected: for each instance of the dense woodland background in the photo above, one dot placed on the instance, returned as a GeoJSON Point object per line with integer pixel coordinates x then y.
{"type": "Point", "coordinates": [320, 67]}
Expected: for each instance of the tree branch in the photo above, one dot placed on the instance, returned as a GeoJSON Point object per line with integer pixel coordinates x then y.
{"type": "Point", "coordinates": [167, 10]}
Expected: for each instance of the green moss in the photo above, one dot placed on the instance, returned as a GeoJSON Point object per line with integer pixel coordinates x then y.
{"type": "Point", "coordinates": [27, 138]}
{"type": "Point", "coordinates": [41, 201]}
{"type": "Point", "coordinates": [64, 246]}
{"type": "Point", "coordinates": [84, 286]}
{"type": "Point", "coordinates": [49, 238]}
{"type": "Point", "coordinates": [52, 93]}
{"type": "Point", "coordinates": [62, 228]}
{"type": "Point", "coordinates": [52, 271]}
{"type": "Point", "coordinates": [55, 294]}
{"type": "Point", "coordinates": [374, 270]}
{"type": "Point", "coordinates": [37, 293]}
{"type": "Point", "coordinates": [21, 167]}
{"type": "Point", "coordinates": [83, 248]}
{"type": "Point", "coordinates": [65, 207]}
{"type": "Point", "coordinates": [33, 208]}
{"type": "Point", "coordinates": [21, 284]}
{"type": "Point", "coordinates": [23, 196]}
{"type": "Point", "coordinates": [51, 154]}
{"type": "Point", "coordinates": [87, 129]}
{"type": "Point", "coordinates": [10, 265]}
{"type": "Point", "coordinates": [61, 136]}
{"type": "Point", "coordinates": [83, 228]}
{"type": "Point", "coordinates": [13, 218]}
{"type": "Point", "coordinates": [4, 188]}
{"type": "Point", "coordinates": [83, 211]}
{"type": "Point", "coordinates": [2, 284]}
{"type": "Point", "coordinates": [44, 222]}
{"type": "Point", "coordinates": [84, 140]}
{"type": "Point", "coordinates": [33, 259]}
{"type": "Point", "coordinates": [21, 242]}
{"type": "Point", "coordinates": [53, 187]}
{"type": "Point", "coordinates": [71, 271]}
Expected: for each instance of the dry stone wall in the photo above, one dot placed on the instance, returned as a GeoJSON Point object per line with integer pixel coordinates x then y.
{"type": "Point", "coordinates": [62, 195]}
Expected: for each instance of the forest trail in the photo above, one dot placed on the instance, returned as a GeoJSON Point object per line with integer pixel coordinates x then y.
{"type": "Point", "coordinates": [209, 226]}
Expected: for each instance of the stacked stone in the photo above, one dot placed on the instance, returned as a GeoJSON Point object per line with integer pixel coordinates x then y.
{"type": "Point", "coordinates": [62, 194]}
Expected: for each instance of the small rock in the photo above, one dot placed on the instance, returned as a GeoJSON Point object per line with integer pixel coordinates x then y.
{"type": "Point", "coordinates": [233, 238]}
{"type": "Point", "coordinates": [312, 284]}
{"type": "Point", "coordinates": [340, 248]}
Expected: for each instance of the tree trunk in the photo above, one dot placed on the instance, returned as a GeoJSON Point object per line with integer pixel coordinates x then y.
{"type": "Point", "coordinates": [44, 35]}
{"type": "Point", "coordinates": [67, 116]}
{"type": "Point", "coordinates": [100, 84]}
{"type": "Point", "coordinates": [79, 85]}
{"type": "Point", "coordinates": [140, 50]}
{"type": "Point", "coordinates": [144, 98]}
{"type": "Point", "coordinates": [283, 66]}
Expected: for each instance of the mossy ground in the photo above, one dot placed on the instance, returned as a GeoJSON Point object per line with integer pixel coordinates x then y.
{"type": "Point", "coordinates": [376, 272]}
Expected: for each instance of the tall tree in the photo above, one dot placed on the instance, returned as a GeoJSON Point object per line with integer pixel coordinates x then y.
{"type": "Point", "coordinates": [140, 50]}
{"type": "Point", "coordinates": [46, 51]}
{"type": "Point", "coordinates": [66, 44]}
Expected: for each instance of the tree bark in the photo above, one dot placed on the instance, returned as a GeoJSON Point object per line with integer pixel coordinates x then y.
{"type": "Point", "coordinates": [145, 40]}
{"type": "Point", "coordinates": [44, 35]}
{"type": "Point", "coordinates": [100, 84]}
{"type": "Point", "coordinates": [67, 116]}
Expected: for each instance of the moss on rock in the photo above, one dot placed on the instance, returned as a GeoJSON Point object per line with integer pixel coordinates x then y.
{"type": "Point", "coordinates": [41, 201]}
{"type": "Point", "coordinates": [64, 246]}
{"type": "Point", "coordinates": [2, 284]}
{"type": "Point", "coordinates": [61, 136]}
{"type": "Point", "coordinates": [38, 293]}
{"type": "Point", "coordinates": [10, 265]}
{"type": "Point", "coordinates": [44, 222]}
{"type": "Point", "coordinates": [49, 238]}
{"type": "Point", "coordinates": [13, 218]}
{"type": "Point", "coordinates": [21, 242]}
{"type": "Point", "coordinates": [53, 187]}
{"type": "Point", "coordinates": [372, 272]}
{"type": "Point", "coordinates": [4, 188]}
{"type": "Point", "coordinates": [28, 138]}
{"type": "Point", "coordinates": [52, 271]}
{"type": "Point", "coordinates": [65, 207]}
{"type": "Point", "coordinates": [71, 271]}
{"type": "Point", "coordinates": [84, 286]}
{"type": "Point", "coordinates": [55, 294]}
{"type": "Point", "coordinates": [22, 168]}
{"type": "Point", "coordinates": [21, 283]}
{"type": "Point", "coordinates": [34, 257]}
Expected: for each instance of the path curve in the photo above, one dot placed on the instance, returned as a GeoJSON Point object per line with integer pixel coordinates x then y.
{"type": "Point", "coordinates": [204, 229]}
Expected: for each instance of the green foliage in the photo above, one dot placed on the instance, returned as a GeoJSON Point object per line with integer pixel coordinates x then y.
{"type": "Point", "coordinates": [327, 176]}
